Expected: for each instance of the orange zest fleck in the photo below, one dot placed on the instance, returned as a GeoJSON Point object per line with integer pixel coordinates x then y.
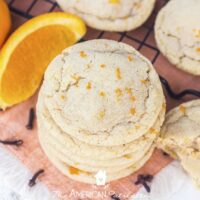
{"type": "Point", "coordinates": [182, 109]}
{"type": "Point", "coordinates": [132, 111]}
{"type": "Point", "coordinates": [118, 73]}
{"type": "Point", "coordinates": [102, 94]}
{"type": "Point", "coordinates": [74, 170]}
{"type": "Point", "coordinates": [137, 126]}
{"type": "Point", "coordinates": [88, 86]}
{"type": "Point", "coordinates": [153, 131]}
{"type": "Point", "coordinates": [127, 156]}
{"type": "Point", "coordinates": [101, 114]}
{"type": "Point", "coordinates": [164, 105]}
{"type": "Point", "coordinates": [198, 49]}
{"type": "Point", "coordinates": [197, 32]}
{"type": "Point", "coordinates": [130, 58]}
{"type": "Point", "coordinates": [128, 90]}
{"type": "Point", "coordinates": [118, 92]}
{"type": "Point", "coordinates": [102, 65]}
{"type": "Point", "coordinates": [62, 97]}
{"type": "Point", "coordinates": [132, 98]}
{"type": "Point", "coordinates": [114, 1]}
{"type": "Point", "coordinates": [145, 81]}
{"type": "Point", "coordinates": [83, 54]}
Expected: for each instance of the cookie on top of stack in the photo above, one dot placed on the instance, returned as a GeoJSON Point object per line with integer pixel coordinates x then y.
{"type": "Point", "coordinates": [100, 108]}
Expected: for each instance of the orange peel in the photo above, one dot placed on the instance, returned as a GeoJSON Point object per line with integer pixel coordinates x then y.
{"type": "Point", "coordinates": [5, 21]}
{"type": "Point", "coordinates": [29, 50]}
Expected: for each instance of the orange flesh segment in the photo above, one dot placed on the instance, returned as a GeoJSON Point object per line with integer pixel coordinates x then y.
{"type": "Point", "coordinates": [30, 59]}
{"type": "Point", "coordinates": [5, 21]}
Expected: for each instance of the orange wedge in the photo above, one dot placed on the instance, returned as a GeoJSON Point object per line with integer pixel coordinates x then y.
{"type": "Point", "coordinates": [27, 53]}
{"type": "Point", "coordinates": [5, 21]}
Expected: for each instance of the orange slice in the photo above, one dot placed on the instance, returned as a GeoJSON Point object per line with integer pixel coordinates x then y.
{"type": "Point", "coordinates": [5, 21]}
{"type": "Point", "coordinates": [29, 50]}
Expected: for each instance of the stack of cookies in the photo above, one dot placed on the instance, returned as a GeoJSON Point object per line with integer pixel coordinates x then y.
{"type": "Point", "coordinates": [100, 108]}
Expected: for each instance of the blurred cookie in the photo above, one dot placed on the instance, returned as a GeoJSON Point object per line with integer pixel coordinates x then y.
{"type": "Point", "coordinates": [180, 137]}
{"type": "Point", "coordinates": [110, 15]}
{"type": "Point", "coordinates": [177, 32]}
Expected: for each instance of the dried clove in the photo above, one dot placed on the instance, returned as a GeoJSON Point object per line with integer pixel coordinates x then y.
{"type": "Point", "coordinates": [143, 179]}
{"type": "Point", "coordinates": [31, 119]}
{"type": "Point", "coordinates": [32, 181]}
{"type": "Point", "coordinates": [114, 197]}
{"type": "Point", "coordinates": [12, 142]}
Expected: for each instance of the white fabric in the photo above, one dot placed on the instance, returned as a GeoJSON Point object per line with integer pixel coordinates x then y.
{"type": "Point", "coordinates": [14, 178]}
{"type": "Point", "coordinates": [172, 183]}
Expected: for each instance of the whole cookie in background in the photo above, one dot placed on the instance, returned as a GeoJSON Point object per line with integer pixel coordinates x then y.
{"type": "Point", "coordinates": [110, 15]}
{"type": "Point", "coordinates": [177, 33]}
{"type": "Point", "coordinates": [180, 137]}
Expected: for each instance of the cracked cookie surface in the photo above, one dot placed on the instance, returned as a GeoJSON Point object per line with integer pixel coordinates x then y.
{"type": "Point", "coordinates": [118, 15]}
{"type": "Point", "coordinates": [180, 136]}
{"type": "Point", "coordinates": [177, 32]}
{"type": "Point", "coordinates": [98, 95]}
